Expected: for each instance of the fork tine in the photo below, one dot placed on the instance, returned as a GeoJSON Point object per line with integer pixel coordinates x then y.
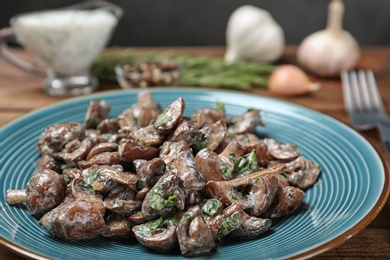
{"type": "Point", "coordinates": [375, 95]}
{"type": "Point", "coordinates": [347, 91]}
{"type": "Point", "coordinates": [351, 91]}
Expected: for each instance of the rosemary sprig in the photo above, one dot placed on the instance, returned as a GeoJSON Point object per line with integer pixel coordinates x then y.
{"type": "Point", "coordinates": [196, 70]}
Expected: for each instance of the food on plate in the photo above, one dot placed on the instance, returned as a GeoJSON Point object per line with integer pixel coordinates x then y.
{"type": "Point", "coordinates": [168, 180]}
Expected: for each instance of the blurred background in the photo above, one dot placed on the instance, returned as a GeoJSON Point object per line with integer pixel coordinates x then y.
{"type": "Point", "coordinates": [203, 22]}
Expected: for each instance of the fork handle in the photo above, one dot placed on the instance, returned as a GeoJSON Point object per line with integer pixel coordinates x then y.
{"type": "Point", "coordinates": [384, 131]}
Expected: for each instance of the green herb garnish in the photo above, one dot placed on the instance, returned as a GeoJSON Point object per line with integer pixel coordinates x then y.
{"type": "Point", "coordinates": [228, 225]}
{"type": "Point", "coordinates": [211, 206]}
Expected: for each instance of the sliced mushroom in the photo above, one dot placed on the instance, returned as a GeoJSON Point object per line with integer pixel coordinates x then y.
{"type": "Point", "coordinates": [122, 200]}
{"type": "Point", "coordinates": [132, 150]}
{"type": "Point", "coordinates": [149, 172]}
{"type": "Point", "coordinates": [163, 198]}
{"type": "Point", "coordinates": [210, 165]}
{"type": "Point", "coordinates": [251, 229]}
{"type": "Point", "coordinates": [187, 171]}
{"type": "Point", "coordinates": [81, 191]}
{"type": "Point", "coordinates": [227, 221]}
{"type": "Point", "coordinates": [105, 158]}
{"type": "Point", "coordinates": [101, 148]}
{"type": "Point", "coordinates": [97, 111]}
{"type": "Point", "coordinates": [216, 135]}
{"type": "Point", "coordinates": [209, 116]}
{"type": "Point", "coordinates": [193, 233]}
{"type": "Point", "coordinates": [282, 152]}
{"type": "Point", "coordinates": [118, 226]}
{"type": "Point", "coordinates": [227, 192]}
{"type": "Point", "coordinates": [186, 131]}
{"type": "Point", "coordinates": [73, 156]}
{"type": "Point", "coordinates": [109, 125]}
{"type": "Point", "coordinates": [148, 136]}
{"type": "Point", "coordinates": [169, 150]}
{"type": "Point", "coordinates": [246, 123]}
{"type": "Point", "coordinates": [288, 199]}
{"type": "Point", "coordinates": [160, 238]}
{"type": "Point", "coordinates": [56, 136]}
{"type": "Point", "coordinates": [170, 117]}
{"type": "Point", "coordinates": [302, 172]}
{"type": "Point", "coordinates": [261, 194]}
{"type": "Point", "coordinates": [74, 220]}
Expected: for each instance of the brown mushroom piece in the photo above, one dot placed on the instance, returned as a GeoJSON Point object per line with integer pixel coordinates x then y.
{"type": "Point", "coordinates": [170, 117]}
{"type": "Point", "coordinates": [228, 193]}
{"type": "Point", "coordinates": [193, 233]}
{"type": "Point", "coordinates": [45, 190]}
{"type": "Point", "coordinates": [169, 150]}
{"type": "Point", "coordinates": [288, 199]}
{"type": "Point", "coordinates": [56, 136]}
{"type": "Point", "coordinates": [132, 150]}
{"type": "Point", "coordinates": [108, 125]}
{"type": "Point", "coordinates": [140, 114]}
{"type": "Point", "coordinates": [97, 111]}
{"type": "Point", "coordinates": [209, 116]}
{"type": "Point", "coordinates": [246, 123]}
{"type": "Point", "coordinates": [101, 148]}
{"type": "Point", "coordinates": [82, 190]}
{"type": "Point", "coordinates": [226, 221]}
{"type": "Point", "coordinates": [105, 158]}
{"type": "Point", "coordinates": [76, 151]}
{"type": "Point", "coordinates": [216, 135]}
{"type": "Point", "coordinates": [122, 200]}
{"type": "Point", "coordinates": [261, 194]}
{"type": "Point", "coordinates": [187, 171]}
{"type": "Point", "coordinates": [148, 136]}
{"type": "Point", "coordinates": [210, 165]}
{"type": "Point", "coordinates": [74, 220]}
{"type": "Point", "coordinates": [252, 142]}
{"type": "Point", "coordinates": [149, 172]}
{"type": "Point", "coordinates": [186, 131]}
{"type": "Point", "coordinates": [251, 228]}
{"type": "Point", "coordinates": [282, 152]}
{"type": "Point", "coordinates": [302, 173]}
{"type": "Point", "coordinates": [48, 161]}
{"type": "Point", "coordinates": [118, 226]}
{"type": "Point", "coordinates": [164, 197]}
{"type": "Point", "coordinates": [159, 235]}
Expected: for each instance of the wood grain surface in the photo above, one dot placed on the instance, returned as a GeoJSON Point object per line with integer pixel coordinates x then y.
{"type": "Point", "coordinates": [21, 93]}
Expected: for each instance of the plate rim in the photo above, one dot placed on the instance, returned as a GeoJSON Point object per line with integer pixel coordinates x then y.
{"type": "Point", "coordinates": [337, 241]}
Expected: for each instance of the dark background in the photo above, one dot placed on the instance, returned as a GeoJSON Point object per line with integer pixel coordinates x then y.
{"type": "Point", "coordinates": [203, 22]}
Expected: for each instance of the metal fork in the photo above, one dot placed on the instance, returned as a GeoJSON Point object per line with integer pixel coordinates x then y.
{"type": "Point", "coordinates": [364, 104]}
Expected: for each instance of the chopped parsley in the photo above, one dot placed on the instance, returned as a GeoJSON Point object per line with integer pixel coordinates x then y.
{"type": "Point", "coordinates": [220, 106]}
{"type": "Point", "coordinates": [90, 179]}
{"type": "Point", "coordinates": [198, 144]}
{"type": "Point", "coordinates": [163, 118]}
{"type": "Point", "coordinates": [228, 225]}
{"type": "Point", "coordinates": [246, 164]}
{"type": "Point", "coordinates": [211, 206]}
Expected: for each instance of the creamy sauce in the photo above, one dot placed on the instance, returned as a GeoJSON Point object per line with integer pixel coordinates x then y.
{"type": "Point", "coordinates": [66, 41]}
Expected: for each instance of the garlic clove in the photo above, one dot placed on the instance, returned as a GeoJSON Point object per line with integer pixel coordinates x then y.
{"type": "Point", "coordinates": [252, 33]}
{"type": "Point", "coordinates": [290, 80]}
{"type": "Point", "coordinates": [327, 52]}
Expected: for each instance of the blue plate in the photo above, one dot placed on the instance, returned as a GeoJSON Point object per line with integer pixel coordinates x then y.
{"type": "Point", "coordinates": [351, 190]}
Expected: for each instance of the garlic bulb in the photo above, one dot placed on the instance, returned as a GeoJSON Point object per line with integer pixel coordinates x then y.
{"type": "Point", "coordinates": [328, 52]}
{"type": "Point", "coordinates": [252, 33]}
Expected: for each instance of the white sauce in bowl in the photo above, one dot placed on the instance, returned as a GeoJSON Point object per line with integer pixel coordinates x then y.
{"type": "Point", "coordinates": [65, 41]}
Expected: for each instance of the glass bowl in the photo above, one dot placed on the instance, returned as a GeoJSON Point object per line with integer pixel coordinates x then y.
{"type": "Point", "coordinates": [150, 73]}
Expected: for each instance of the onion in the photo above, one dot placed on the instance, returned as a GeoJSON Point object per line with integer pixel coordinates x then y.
{"type": "Point", "coordinates": [290, 80]}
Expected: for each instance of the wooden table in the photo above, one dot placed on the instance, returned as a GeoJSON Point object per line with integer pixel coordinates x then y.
{"type": "Point", "coordinates": [21, 93]}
